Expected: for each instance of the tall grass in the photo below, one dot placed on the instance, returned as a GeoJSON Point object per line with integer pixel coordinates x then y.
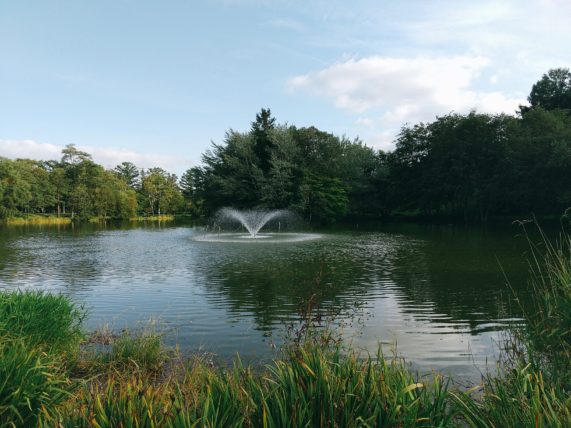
{"type": "Point", "coordinates": [39, 335]}
{"type": "Point", "coordinates": [38, 220]}
{"type": "Point", "coordinates": [32, 383]}
{"type": "Point", "coordinates": [533, 386]}
{"type": "Point", "coordinates": [520, 398]}
{"type": "Point", "coordinates": [312, 388]}
{"type": "Point", "coordinates": [547, 338]}
{"type": "Point", "coordinates": [45, 320]}
{"type": "Point", "coordinates": [141, 351]}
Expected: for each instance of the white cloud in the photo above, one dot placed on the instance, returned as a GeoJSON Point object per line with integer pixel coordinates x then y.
{"type": "Point", "coordinates": [401, 90]}
{"type": "Point", "coordinates": [29, 149]}
{"type": "Point", "coordinates": [107, 156]}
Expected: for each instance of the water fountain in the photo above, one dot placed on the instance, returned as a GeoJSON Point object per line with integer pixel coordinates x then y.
{"type": "Point", "coordinates": [253, 221]}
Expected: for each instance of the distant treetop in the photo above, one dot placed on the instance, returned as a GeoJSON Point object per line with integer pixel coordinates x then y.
{"type": "Point", "coordinates": [552, 91]}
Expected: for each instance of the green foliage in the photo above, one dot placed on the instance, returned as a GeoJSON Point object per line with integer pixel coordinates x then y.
{"type": "Point", "coordinates": [129, 173]}
{"type": "Point", "coordinates": [479, 165]}
{"type": "Point", "coordinates": [462, 167]}
{"type": "Point", "coordinates": [263, 144]}
{"type": "Point", "coordinates": [312, 387]}
{"type": "Point", "coordinates": [323, 198]}
{"type": "Point", "coordinates": [314, 382]}
{"type": "Point", "coordinates": [72, 156]}
{"type": "Point", "coordinates": [520, 398]}
{"type": "Point", "coordinates": [552, 91]}
{"type": "Point", "coordinates": [326, 388]}
{"type": "Point", "coordinates": [532, 387]}
{"type": "Point", "coordinates": [275, 166]}
{"type": "Point", "coordinates": [547, 337]}
{"type": "Point", "coordinates": [47, 321]}
{"type": "Point", "coordinates": [160, 192]}
{"type": "Point", "coordinates": [39, 336]}
{"type": "Point", "coordinates": [142, 351]}
{"type": "Point", "coordinates": [79, 188]}
{"type": "Point", "coordinates": [31, 383]}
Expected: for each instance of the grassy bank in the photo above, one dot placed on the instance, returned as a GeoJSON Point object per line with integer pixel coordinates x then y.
{"type": "Point", "coordinates": [37, 220]}
{"type": "Point", "coordinates": [50, 220]}
{"type": "Point", "coordinates": [53, 374]}
{"type": "Point", "coordinates": [132, 380]}
{"type": "Point", "coordinates": [162, 217]}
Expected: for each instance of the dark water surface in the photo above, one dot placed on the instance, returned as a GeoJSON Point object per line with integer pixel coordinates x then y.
{"type": "Point", "coordinates": [437, 291]}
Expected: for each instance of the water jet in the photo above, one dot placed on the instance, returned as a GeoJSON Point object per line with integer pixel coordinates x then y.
{"type": "Point", "coordinates": [253, 221]}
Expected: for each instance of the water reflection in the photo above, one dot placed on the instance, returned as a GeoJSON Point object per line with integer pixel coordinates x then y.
{"type": "Point", "coordinates": [438, 292]}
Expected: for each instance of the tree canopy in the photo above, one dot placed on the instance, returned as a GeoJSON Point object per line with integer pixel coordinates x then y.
{"type": "Point", "coordinates": [552, 91]}
{"type": "Point", "coordinates": [460, 166]}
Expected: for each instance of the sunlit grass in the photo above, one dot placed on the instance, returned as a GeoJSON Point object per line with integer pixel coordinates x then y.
{"type": "Point", "coordinates": [162, 217]}
{"type": "Point", "coordinates": [37, 220]}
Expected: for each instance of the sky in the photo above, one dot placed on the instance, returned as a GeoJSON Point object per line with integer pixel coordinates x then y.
{"type": "Point", "coordinates": [156, 82]}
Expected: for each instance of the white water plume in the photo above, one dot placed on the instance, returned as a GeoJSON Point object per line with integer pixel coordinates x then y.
{"type": "Point", "coordinates": [252, 220]}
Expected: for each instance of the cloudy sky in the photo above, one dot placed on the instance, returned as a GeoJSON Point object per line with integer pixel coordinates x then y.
{"type": "Point", "coordinates": [154, 82]}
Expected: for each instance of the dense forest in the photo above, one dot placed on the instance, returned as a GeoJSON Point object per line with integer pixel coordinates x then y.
{"type": "Point", "coordinates": [466, 167]}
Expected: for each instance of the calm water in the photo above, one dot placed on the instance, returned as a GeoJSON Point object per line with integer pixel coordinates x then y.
{"type": "Point", "coordinates": [438, 292]}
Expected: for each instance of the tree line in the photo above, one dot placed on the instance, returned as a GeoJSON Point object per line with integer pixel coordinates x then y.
{"type": "Point", "coordinates": [460, 166]}
{"type": "Point", "coordinates": [78, 187]}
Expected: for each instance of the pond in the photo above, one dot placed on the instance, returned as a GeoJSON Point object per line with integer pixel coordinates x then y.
{"type": "Point", "coordinates": [439, 293]}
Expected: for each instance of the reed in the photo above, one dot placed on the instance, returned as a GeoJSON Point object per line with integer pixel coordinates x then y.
{"type": "Point", "coordinates": [519, 398]}
{"type": "Point", "coordinates": [546, 340]}
{"type": "Point", "coordinates": [310, 388]}
{"type": "Point", "coordinates": [533, 385]}
{"type": "Point", "coordinates": [32, 383]}
{"type": "Point", "coordinates": [37, 220]}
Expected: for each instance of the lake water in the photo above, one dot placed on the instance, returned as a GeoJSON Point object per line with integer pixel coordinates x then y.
{"type": "Point", "coordinates": [438, 292]}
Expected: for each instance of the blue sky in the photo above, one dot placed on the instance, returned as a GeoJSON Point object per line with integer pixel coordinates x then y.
{"type": "Point", "coordinates": [154, 82]}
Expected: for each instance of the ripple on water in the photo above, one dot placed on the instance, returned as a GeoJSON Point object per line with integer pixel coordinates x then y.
{"type": "Point", "coordinates": [265, 238]}
{"type": "Point", "coordinates": [419, 290]}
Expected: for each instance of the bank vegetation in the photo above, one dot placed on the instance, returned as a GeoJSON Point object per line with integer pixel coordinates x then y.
{"type": "Point", "coordinates": [55, 374]}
